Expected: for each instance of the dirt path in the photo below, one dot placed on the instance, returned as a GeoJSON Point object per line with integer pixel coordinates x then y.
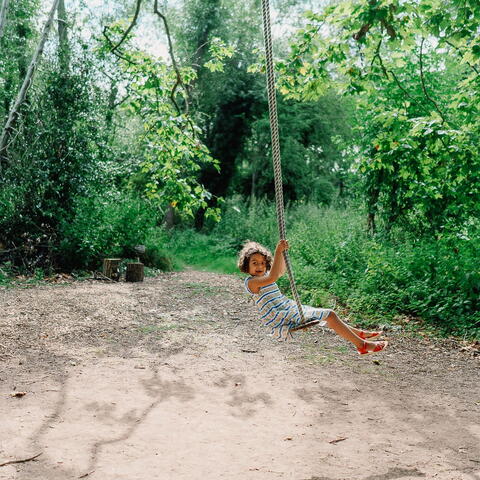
{"type": "Point", "coordinates": [175, 379]}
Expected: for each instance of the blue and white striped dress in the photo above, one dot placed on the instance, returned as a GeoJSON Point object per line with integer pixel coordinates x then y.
{"type": "Point", "coordinates": [280, 312]}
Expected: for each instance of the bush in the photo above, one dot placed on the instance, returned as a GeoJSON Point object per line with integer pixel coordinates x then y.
{"type": "Point", "coordinates": [435, 279]}
{"type": "Point", "coordinates": [242, 221]}
{"type": "Point", "coordinates": [108, 227]}
{"type": "Point", "coordinates": [157, 254]}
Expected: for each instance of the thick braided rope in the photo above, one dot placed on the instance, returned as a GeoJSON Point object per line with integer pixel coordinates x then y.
{"type": "Point", "coordinates": [276, 157]}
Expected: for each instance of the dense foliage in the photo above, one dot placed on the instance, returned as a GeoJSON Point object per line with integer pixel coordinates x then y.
{"type": "Point", "coordinates": [413, 69]}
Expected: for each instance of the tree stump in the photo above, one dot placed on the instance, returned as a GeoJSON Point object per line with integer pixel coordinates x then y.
{"type": "Point", "coordinates": [134, 272]}
{"type": "Point", "coordinates": [110, 268]}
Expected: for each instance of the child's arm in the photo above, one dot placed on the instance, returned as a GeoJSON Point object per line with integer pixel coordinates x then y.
{"type": "Point", "coordinates": [277, 270]}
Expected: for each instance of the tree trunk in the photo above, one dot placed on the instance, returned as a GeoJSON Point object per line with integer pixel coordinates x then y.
{"type": "Point", "coordinates": [63, 47]}
{"type": "Point", "coordinates": [12, 117]}
{"type": "Point", "coordinates": [170, 217]}
{"type": "Point", "coordinates": [254, 178]}
{"type": "Point", "coordinates": [208, 15]}
{"type": "Point", "coordinates": [112, 98]}
{"type": "Point", "coordinates": [3, 16]}
{"type": "Point", "coordinates": [371, 226]}
{"type": "Point", "coordinates": [110, 268]}
{"type": "Point", "coordinates": [134, 272]}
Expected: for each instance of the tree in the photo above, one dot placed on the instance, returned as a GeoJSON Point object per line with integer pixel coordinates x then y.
{"type": "Point", "coordinates": [54, 156]}
{"type": "Point", "coordinates": [312, 166]}
{"type": "Point", "coordinates": [15, 110]}
{"type": "Point", "coordinates": [15, 46]}
{"type": "Point", "coordinates": [417, 147]}
{"type": "Point", "coordinates": [171, 152]}
{"type": "Point", "coordinates": [224, 94]}
{"type": "Point", "coordinates": [230, 99]}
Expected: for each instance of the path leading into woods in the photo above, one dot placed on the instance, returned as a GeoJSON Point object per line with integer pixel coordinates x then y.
{"type": "Point", "coordinates": [175, 379]}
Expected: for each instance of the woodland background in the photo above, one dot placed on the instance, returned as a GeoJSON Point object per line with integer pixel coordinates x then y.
{"type": "Point", "coordinates": [146, 122]}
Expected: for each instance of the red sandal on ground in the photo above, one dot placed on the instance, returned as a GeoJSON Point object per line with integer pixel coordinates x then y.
{"type": "Point", "coordinates": [364, 335]}
{"type": "Point", "coordinates": [378, 348]}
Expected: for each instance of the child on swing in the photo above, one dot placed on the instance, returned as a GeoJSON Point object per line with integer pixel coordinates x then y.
{"type": "Point", "coordinates": [280, 312]}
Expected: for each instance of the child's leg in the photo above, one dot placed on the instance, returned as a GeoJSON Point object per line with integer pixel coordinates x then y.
{"type": "Point", "coordinates": [348, 333]}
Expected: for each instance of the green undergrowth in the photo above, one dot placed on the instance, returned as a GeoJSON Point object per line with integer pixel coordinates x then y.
{"type": "Point", "coordinates": [189, 248]}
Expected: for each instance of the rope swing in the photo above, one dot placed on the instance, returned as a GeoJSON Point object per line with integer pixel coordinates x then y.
{"type": "Point", "coordinates": [276, 159]}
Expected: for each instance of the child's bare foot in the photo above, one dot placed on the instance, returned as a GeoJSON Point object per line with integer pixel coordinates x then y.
{"type": "Point", "coordinates": [372, 347]}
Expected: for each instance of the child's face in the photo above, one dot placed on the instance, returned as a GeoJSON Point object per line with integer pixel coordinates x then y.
{"type": "Point", "coordinates": [257, 265]}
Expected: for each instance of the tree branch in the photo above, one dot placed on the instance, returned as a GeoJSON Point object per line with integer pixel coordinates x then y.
{"type": "Point", "coordinates": [473, 67]}
{"type": "Point", "coordinates": [20, 461]}
{"type": "Point", "coordinates": [377, 55]}
{"type": "Point", "coordinates": [400, 86]}
{"type": "Point", "coordinates": [178, 80]}
{"type": "Point", "coordinates": [362, 32]}
{"type": "Point", "coordinates": [118, 55]}
{"type": "Point", "coordinates": [424, 88]}
{"type": "Point", "coordinates": [124, 99]}
{"type": "Point", "coordinates": [3, 16]}
{"type": "Point", "coordinates": [132, 24]}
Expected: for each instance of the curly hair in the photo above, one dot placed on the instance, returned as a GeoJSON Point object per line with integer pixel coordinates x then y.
{"type": "Point", "coordinates": [249, 249]}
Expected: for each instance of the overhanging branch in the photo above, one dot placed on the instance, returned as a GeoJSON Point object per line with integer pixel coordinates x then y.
{"type": "Point", "coordinates": [129, 29]}
{"type": "Point", "coordinates": [178, 80]}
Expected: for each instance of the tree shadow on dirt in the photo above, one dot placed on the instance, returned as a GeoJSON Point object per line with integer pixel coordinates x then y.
{"type": "Point", "coordinates": [43, 468]}
{"type": "Point", "coordinates": [161, 391]}
{"type": "Point", "coordinates": [241, 400]}
{"type": "Point", "coordinates": [155, 388]}
{"type": "Point", "coordinates": [392, 474]}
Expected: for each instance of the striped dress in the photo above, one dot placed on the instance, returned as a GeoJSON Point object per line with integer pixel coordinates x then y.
{"type": "Point", "coordinates": [279, 312]}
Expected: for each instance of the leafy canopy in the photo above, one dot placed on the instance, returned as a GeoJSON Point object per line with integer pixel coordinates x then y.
{"type": "Point", "coordinates": [413, 69]}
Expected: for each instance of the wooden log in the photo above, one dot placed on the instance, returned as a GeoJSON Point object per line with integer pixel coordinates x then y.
{"type": "Point", "coordinates": [110, 268]}
{"type": "Point", "coordinates": [134, 272]}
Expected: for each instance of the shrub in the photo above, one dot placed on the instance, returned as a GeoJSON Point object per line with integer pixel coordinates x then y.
{"type": "Point", "coordinates": [102, 227]}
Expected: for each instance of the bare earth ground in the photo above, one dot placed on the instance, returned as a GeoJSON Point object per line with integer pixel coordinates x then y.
{"type": "Point", "coordinates": [174, 378]}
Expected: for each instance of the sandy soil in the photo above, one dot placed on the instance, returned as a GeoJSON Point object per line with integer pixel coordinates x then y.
{"type": "Point", "coordinates": [174, 378]}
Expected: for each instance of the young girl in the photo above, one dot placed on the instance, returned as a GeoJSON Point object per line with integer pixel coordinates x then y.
{"type": "Point", "coordinates": [281, 313]}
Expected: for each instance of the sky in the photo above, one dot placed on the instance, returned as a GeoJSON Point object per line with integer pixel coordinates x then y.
{"type": "Point", "coordinates": [91, 12]}
{"type": "Point", "coordinates": [149, 31]}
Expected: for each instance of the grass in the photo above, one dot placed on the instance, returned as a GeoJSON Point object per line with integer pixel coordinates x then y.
{"type": "Point", "coordinates": [147, 329]}
{"type": "Point", "coordinates": [201, 252]}
{"type": "Point", "coordinates": [202, 288]}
